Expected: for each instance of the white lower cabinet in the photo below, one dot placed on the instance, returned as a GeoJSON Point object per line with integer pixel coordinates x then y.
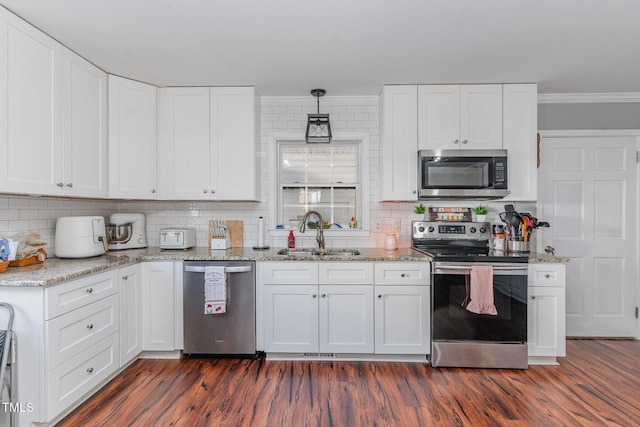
{"type": "Point", "coordinates": [158, 321]}
{"type": "Point", "coordinates": [546, 323]}
{"type": "Point", "coordinates": [130, 313]}
{"type": "Point", "coordinates": [402, 308]}
{"type": "Point", "coordinates": [345, 307]}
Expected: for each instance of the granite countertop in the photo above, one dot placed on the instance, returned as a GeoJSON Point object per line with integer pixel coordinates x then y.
{"type": "Point", "coordinates": [535, 257]}
{"type": "Point", "coordinates": [56, 270]}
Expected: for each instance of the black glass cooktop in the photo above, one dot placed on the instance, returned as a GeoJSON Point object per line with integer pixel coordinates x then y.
{"type": "Point", "coordinates": [471, 254]}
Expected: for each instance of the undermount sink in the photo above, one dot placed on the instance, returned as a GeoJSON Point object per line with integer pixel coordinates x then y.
{"type": "Point", "coordinates": [318, 252]}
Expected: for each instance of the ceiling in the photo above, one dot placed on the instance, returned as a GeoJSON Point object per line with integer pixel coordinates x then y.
{"type": "Point", "coordinates": [352, 47]}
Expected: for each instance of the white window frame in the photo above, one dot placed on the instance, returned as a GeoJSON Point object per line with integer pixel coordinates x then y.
{"type": "Point", "coordinates": [273, 192]}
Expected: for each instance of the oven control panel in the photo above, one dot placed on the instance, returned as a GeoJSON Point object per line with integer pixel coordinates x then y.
{"type": "Point", "coordinates": [450, 230]}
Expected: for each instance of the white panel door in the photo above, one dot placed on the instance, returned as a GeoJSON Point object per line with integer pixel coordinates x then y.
{"type": "Point", "coordinates": [132, 139]}
{"type": "Point", "coordinates": [480, 116]}
{"type": "Point", "coordinates": [84, 127]}
{"type": "Point", "coordinates": [30, 109]}
{"type": "Point", "coordinates": [546, 321]}
{"type": "Point", "coordinates": [399, 145]}
{"type": "Point", "coordinates": [158, 306]}
{"type": "Point", "coordinates": [183, 143]}
{"type": "Point", "coordinates": [402, 319]}
{"type": "Point", "coordinates": [346, 318]}
{"type": "Point", "coordinates": [438, 117]}
{"type": "Point", "coordinates": [291, 318]}
{"type": "Point", "coordinates": [588, 191]}
{"type": "Point", "coordinates": [233, 143]}
{"type": "Point", "coordinates": [130, 313]}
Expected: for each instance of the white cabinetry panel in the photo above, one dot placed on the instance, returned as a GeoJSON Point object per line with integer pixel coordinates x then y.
{"type": "Point", "coordinates": [157, 302]}
{"type": "Point", "coordinates": [130, 312]}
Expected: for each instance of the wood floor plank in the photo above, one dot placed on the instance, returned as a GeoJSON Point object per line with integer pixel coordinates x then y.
{"type": "Point", "coordinates": [597, 384]}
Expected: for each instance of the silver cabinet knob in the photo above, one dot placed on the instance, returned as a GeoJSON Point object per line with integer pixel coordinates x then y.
{"type": "Point", "coordinates": [70, 184]}
{"type": "Point", "coordinates": [89, 370]}
{"type": "Point", "coordinates": [324, 295]}
{"type": "Point", "coordinates": [546, 276]}
{"type": "Point", "coordinates": [380, 296]}
{"type": "Point", "coordinates": [213, 191]}
{"type": "Point", "coordinates": [60, 184]}
{"type": "Point", "coordinates": [89, 290]}
{"type": "Point", "coordinates": [90, 326]}
{"type": "Point", "coordinates": [403, 275]}
{"type": "Point", "coordinates": [456, 141]}
{"type": "Point", "coordinates": [314, 295]}
{"type": "Point", "coordinates": [125, 277]}
{"type": "Point", "coordinates": [464, 141]}
{"type": "Point", "coordinates": [533, 297]}
{"type": "Point", "coordinates": [204, 191]}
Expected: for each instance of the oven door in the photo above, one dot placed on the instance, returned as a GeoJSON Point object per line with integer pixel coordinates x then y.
{"type": "Point", "coordinates": [451, 321]}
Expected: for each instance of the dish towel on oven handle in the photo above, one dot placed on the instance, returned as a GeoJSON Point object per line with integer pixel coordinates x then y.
{"type": "Point", "coordinates": [482, 301]}
{"type": "Point", "coordinates": [215, 290]}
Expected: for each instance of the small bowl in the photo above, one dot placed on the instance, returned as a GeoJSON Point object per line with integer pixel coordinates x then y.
{"type": "Point", "coordinates": [294, 223]}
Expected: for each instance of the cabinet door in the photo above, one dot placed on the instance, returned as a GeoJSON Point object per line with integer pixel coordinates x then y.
{"type": "Point", "coordinates": [130, 313]}
{"type": "Point", "coordinates": [291, 318]}
{"type": "Point", "coordinates": [233, 143]}
{"type": "Point", "coordinates": [480, 116]}
{"type": "Point", "coordinates": [157, 306]}
{"type": "Point", "coordinates": [546, 327]}
{"type": "Point", "coordinates": [438, 117]}
{"type": "Point", "coordinates": [403, 320]}
{"type": "Point", "coordinates": [132, 139]}
{"type": "Point", "coordinates": [520, 126]}
{"type": "Point", "coordinates": [30, 108]}
{"type": "Point", "coordinates": [183, 143]}
{"type": "Point", "coordinates": [346, 318]}
{"type": "Point", "coordinates": [84, 127]}
{"type": "Point", "coordinates": [399, 145]}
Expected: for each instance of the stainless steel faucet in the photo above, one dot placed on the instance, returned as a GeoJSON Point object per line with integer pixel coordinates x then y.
{"type": "Point", "coordinates": [303, 226]}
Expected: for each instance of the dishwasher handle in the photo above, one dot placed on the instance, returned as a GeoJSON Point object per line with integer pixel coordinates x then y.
{"type": "Point", "coordinates": [194, 269]}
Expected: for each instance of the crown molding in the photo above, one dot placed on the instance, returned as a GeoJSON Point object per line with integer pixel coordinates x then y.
{"type": "Point", "coordinates": [588, 98]}
{"type": "Point", "coordinates": [328, 100]}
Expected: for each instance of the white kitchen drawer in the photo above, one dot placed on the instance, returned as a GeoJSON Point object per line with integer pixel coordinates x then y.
{"type": "Point", "coordinates": [290, 273]}
{"type": "Point", "coordinates": [402, 273]}
{"type": "Point", "coordinates": [60, 299]}
{"type": "Point", "coordinates": [74, 378]}
{"type": "Point", "coordinates": [345, 273]}
{"type": "Point", "coordinates": [76, 331]}
{"type": "Point", "coordinates": [546, 274]}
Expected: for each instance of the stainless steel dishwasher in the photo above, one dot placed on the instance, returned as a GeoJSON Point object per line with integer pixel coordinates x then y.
{"type": "Point", "coordinates": [229, 333]}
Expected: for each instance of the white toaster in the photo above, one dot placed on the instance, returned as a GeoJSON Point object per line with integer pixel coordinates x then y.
{"type": "Point", "coordinates": [177, 238]}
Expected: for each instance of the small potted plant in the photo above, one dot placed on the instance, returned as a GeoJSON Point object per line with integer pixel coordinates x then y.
{"type": "Point", "coordinates": [481, 213]}
{"type": "Point", "coordinates": [420, 210]}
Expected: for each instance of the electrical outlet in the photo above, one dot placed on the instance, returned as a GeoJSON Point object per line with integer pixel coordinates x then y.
{"type": "Point", "coordinates": [377, 226]}
{"type": "Point", "coordinates": [396, 224]}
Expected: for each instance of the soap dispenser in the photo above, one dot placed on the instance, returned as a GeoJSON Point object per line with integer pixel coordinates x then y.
{"type": "Point", "coordinates": [291, 240]}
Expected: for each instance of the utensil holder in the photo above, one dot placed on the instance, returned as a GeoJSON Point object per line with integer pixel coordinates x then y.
{"type": "Point", "coordinates": [517, 246]}
{"type": "Point", "coordinates": [220, 243]}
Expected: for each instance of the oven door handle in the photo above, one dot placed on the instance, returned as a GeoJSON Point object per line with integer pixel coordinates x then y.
{"type": "Point", "coordinates": [468, 267]}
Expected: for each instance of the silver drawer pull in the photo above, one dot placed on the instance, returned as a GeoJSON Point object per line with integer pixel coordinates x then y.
{"type": "Point", "coordinates": [533, 297]}
{"type": "Point", "coordinates": [380, 296]}
{"type": "Point", "coordinates": [403, 275]}
{"type": "Point", "coordinates": [546, 276]}
{"type": "Point", "coordinates": [89, 370]}
{"type": "Point", "coordinates": [89, 290]}
{"type": "Point", "coordinates": [90, 326]}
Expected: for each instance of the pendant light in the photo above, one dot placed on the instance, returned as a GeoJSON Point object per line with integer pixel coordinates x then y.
{"type": "Point", "coordinates": [318, 127]}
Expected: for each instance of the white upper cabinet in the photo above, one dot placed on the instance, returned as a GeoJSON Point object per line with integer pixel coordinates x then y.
{"type": "Point", "coordinates": [233, 174]}
{"type": "Point", "coordinates": [399, 145]}
{"type": "Point", "coordinates": [84, 102]}
{"type": "Point", "coordinates": [459, 116]}
{"type": "Point", "coordinates": [132, 139]}
{"type": "Point", "coordinates": [183, 143]}
{"type": "Point", "coordinates": [520, 127]}
{"type": "Point", "coordinates": [30, 108]}
{"type": "Point", "coordinates": [207, 143]}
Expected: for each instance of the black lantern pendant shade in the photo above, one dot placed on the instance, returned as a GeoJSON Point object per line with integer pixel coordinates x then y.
{"type": "Point", "coordinates": [318, 127]}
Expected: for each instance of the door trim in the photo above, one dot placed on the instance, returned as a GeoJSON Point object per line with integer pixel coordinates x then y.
{"type": "Point", "coordinates": [604, 133]}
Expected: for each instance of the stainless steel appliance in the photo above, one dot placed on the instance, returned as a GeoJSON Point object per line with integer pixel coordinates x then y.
{"type": "Point", "coordinates": [127, 231]}
{"type": "Point", "coordinates": [462, 174]}
{"type": "Point", "coordinates": [177, 238]}
{"type": "Point", "coordinates": [459, 337]}
{"type": "Point", "coordinates": [229, 333]}
{"type": "Point", "coordinates": [80, 236]}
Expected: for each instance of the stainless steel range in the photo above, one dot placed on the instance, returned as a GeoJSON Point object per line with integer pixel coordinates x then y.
{"type": "Point", "coordinates": [478, 297]}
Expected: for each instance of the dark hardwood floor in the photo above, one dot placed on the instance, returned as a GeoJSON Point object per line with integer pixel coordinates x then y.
{"type": "Point", "coordinates": [597, 384]}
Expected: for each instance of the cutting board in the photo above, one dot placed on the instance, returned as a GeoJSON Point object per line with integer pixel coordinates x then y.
{"type": "Point", "coordinates": [236, 229]}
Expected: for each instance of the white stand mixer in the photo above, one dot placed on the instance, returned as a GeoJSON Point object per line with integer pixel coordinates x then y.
{"type": "Point", "coordinates": [126, 231]}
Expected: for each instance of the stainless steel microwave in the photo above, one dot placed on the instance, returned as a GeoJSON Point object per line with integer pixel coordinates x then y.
{"type": "Point", "coordinates": [462, 174]}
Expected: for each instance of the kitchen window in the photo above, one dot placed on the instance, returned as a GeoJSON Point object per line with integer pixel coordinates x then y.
{"type": "Point", "coordinates": [325, 178]}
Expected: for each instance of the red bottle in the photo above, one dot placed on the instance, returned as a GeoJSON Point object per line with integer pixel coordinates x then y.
{"type": "Point", "coordinates": [291, 240]}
